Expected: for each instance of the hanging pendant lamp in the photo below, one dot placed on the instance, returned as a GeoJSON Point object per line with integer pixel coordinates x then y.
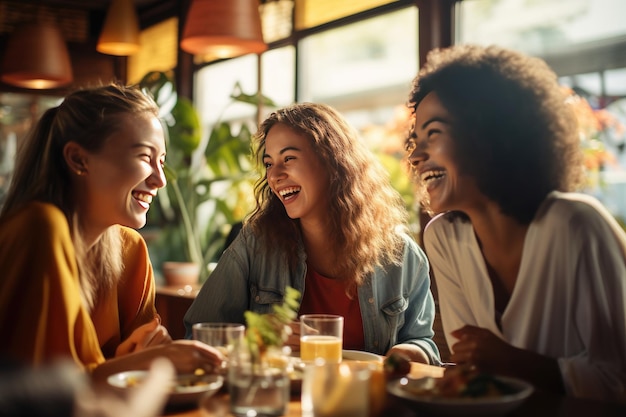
{"type": "Point", "coordinates": [223, 28]}
{"type": "Point", "coordinates": [36, 57]}
{"type": "Point", "coordinates": [120, 33]}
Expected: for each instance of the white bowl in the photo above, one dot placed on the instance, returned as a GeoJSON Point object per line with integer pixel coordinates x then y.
{"type": "Point", "coordinates": [182, 392]}
{"type": "Point", "coordinates": [360, 356]}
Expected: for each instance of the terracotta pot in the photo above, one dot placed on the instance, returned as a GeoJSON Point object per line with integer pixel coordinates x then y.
{"type": "Point", "coordinates": [180, 273]}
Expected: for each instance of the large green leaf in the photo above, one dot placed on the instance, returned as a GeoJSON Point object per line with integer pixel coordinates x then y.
{"type": "Point", "coordinates": [253, 99]}
{"type": "Point", "coordinates": [185, 130]}
{"type": "Point", "coordinates": [161, 87]}
{"type": "Point", "coordinates": [213, 177]}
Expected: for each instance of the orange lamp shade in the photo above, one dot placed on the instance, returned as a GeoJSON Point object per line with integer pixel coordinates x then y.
{"type": "Point", "coordinates": [36, 57]}
{"type": "Point", "coordinates": [120, 33]}
{"type": "Point", "coordinates": [223, 28]}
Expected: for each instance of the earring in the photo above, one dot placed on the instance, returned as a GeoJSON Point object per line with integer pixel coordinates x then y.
{"type": "Point", "coordinates": [80, 172]}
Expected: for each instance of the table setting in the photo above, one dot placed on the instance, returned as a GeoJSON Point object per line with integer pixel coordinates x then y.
{"type": "Point", "coordinates": [538, 404]}
{"type": "Point", "coordinates": [217, 403]}
{"type": "Point", "coordinates": [263, 378]}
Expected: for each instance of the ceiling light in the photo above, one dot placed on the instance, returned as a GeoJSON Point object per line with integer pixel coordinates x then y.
{"type": "Point", "coordinates": [36, 57]}
{"type": "Point", "coordinates": [223, 29]}
{"type": "Point", "coordinates": [120, 33]}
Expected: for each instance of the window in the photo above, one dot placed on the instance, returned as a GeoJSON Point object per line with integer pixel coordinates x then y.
{"type": "Point", "coordinates": [575, 37]}
{"type": "Point", "coordinates": [584, 41]}
{"type": "Point", "coordinates": [311, 13]}
{"type": "Point", "coordinates": [215, 83]}
{"type": "Point", "coordinates": [278, 78]}
{"type": "Point", "coordinates": [18, 114]}
{"type": "Point", "coordinates": [363, 69]}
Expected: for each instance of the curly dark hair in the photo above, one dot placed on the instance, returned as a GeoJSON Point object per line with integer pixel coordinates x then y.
{"type": "Point", "coordinates": [512, 127]}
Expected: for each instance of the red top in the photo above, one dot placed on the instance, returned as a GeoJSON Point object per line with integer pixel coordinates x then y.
{"type": "Point", "coordinates": [324, 295]}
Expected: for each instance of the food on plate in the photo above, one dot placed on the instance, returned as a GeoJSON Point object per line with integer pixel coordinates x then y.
{"type": "Point", "coordinates": [133, 381]}
{"type": "Point", "coordinates": [462, 381]}
{"type": "Point", "coordinates": [182, 382]}
{"type": "Point", "coordinates": [396, 365]}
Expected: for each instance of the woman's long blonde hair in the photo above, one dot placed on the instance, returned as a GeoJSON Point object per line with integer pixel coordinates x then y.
{"type": "Point", "coordinates": [88, 117]}
{"type": "Point", "coordinates": [364, 211]}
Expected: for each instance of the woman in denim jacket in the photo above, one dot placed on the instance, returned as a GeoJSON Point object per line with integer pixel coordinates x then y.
{"type": "Point", "coordinates": [329, 224]}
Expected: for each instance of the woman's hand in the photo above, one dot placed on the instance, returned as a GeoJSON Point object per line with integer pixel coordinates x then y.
{"type": "Point", "coordinates": [190, 355]}
{"type": "Point", "coordinates": [413, 352]}
{"type": "Point", "coordinates": [149, 334]}
{"type": "Point", "coordinates": [482, 349]}
{"type": "Point", "coordinates": [187, 356]}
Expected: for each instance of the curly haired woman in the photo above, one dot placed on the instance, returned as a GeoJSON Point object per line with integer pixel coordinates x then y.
{"type": "Point", "coordinates": [329, 224]}
{"type": "Point", "coordinates": [530, 275]}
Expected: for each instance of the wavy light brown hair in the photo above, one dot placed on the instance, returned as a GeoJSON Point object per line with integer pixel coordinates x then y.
{"type": "Point", "coordinates": [364, 209]}
{"type": "Point", "coordinates": [88, 117]}
{"type": "Point", "coordinates": [513, 130]}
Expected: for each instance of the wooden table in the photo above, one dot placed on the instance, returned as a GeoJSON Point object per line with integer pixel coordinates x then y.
{"type": "Point", "coordinates": [540, 404]}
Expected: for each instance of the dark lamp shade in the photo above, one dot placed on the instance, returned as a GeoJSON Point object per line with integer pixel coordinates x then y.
{"type": "Point", "coordinates": [120, 33]}
{"type": "Point", "coordinates": [223, 28]}
{"type": "Point", "coordinates": [36, 57]}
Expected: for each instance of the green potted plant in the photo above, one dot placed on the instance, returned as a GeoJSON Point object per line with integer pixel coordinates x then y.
{"type": "Point", "coordinates": [209, 187]}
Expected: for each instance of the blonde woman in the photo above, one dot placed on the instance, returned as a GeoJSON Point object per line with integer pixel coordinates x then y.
{"type": "Point", "coordinates": [76, 278]}
{"type": "Point", "coordinates": [328, 223]}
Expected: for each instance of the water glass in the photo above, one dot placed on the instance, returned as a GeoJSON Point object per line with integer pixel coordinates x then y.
{"type": "Point", "coordinates": [258, 386]}
{"type": "Point", "coordinates": [321, 336]}
{"type": "Point", "coordinates": [222, 336]}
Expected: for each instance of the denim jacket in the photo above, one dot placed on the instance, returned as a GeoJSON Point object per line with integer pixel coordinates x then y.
{"type": "Point", "coordinates": [396, 303]}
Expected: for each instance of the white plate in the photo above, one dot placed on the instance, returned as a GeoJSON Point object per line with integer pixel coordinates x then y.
{"type": "Point", "coordinates": [484, 406]}
{"type": "Point", "coordinates": [181, 393]}
{"type": "Point", "coordinates": [357, 355]}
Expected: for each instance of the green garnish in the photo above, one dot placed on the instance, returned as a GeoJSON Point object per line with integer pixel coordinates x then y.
{"type": "Point", "coordinates": [266, 330]}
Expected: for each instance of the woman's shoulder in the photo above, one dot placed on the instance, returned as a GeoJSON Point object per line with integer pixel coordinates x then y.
{"type": "Point", "coordinates": [35, 225]}
{"type": "Point", "coordinates": [447, 226]}
{"type": "Point", "coordinates": [243, 246]}
{"type": "Point", "coordinates": [572, 208]}
{"type": "Point", "coordinates": [37, 215]}
{"type": "Point", "coordinates": [131, 235]}
{"type": "Point", "coordinates": [411, 249]}
{"type": "Point", "coordinates": [576, 217]}
{"type": "Point", "coordinates": [407, 239]}
{"type": "Point", "coordinates": [133, 241]}
{"type": "Point", "coordinates": [249, 240]}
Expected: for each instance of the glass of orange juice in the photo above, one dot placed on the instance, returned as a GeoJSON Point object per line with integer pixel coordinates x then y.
{"type": "Point", "coordinates": [321, 336]}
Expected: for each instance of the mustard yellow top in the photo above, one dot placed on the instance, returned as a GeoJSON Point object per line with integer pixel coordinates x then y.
{"type": "Point", "coordinates": [41, 313]}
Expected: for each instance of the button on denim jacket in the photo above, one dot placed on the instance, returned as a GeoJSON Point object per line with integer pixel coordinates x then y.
{"type": "Point", "coordinates": [396, 303]}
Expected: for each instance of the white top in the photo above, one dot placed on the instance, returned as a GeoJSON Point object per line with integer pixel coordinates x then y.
{"type": "Point", "coordinates": [569, 300]}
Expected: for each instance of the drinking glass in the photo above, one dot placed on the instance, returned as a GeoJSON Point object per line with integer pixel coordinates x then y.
{"type": "Point", "coordinates": [336, 389]}
{"type": "Point", "coordinates": [258, 385]}
{"type": "Point", "coordinates": [321, 336]}
{"type": "Point", "coordinates": [222, 336]}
